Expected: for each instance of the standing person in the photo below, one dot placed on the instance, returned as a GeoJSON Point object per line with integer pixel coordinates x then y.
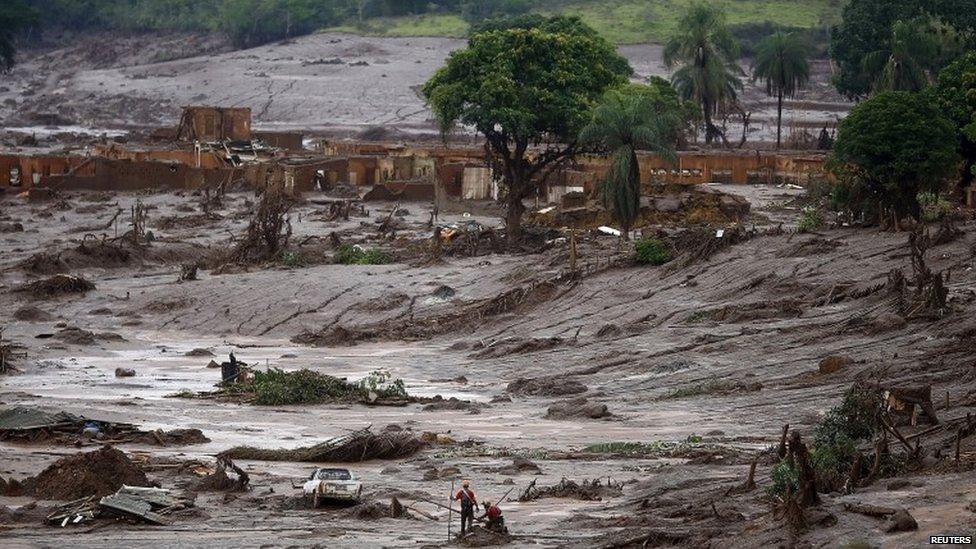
{"type": "Point", "coordinates": [468, 504]}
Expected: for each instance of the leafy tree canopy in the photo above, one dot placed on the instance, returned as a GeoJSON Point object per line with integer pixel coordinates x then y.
{"type": "Point", "coordinates": [897, 144]}
{"type": "Point", "coordinates": [523, 86]}
{"type": "Point", "coordinates": [955, 94]}
{"type": "Point", "coordinates": [526, 85]}
{"type": "Point", "coordinates": [706, 56]}
{"type": "Point", "coordinates": [867, 27]}
{"type": "Point", "coordinates": [631, 118]}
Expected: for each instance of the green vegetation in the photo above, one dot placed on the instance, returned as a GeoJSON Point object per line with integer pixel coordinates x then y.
{"type": "Point", "coordinates": [933, 206]}
{"type": "Point", "coordinates": [835, 442]}
{"type": "Point", "coordinates": [955, 93]}
{"type": "Point", "coordinates": [450, 26]}
{"type": "Point", "coordinates": [526, 82]}
{"type": "Point", "coordinates": [292, 260]}
{"type": "Point", "coordinates": [651, 251]}
{"type": "Point", "coordinates": [843, 427]}
{"type": "Point", "coordinates": [619, 21]}
{"type": "Point", "coordinates": [251, 22]}
{"type": "Point", "coordinates": [781, 62]}
{"type": "Point", "coordinates": [15, 15]}
{"type": "Point", "coordinates": [889, 149]}
{"type": "Point", "coordinates": [892, 40]}
{"type": "Point", "coordinates": [810, 220]}
{"type": "Point", "coordinates": [644, 448]}
{"type": "Point", "coordinates": [347, 254]}
{"type": "Point", "coordinates": [909, 58]}
{"type": "Point", "coordinates": [629, 119]}
{"type": "Point", "coordinates": [705, 55]}
{"type": "Point", "coordinates": [276, 387]}
{"type": "Point", "coordinates": [784, 476]}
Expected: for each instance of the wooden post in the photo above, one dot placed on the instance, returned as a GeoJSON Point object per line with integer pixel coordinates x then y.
{"type": "Point", "coordinates": [450, 511]}
{"type": "Point", "coordinates": [781, 452]}
{"type": "Point", "coordinates": [572, 251]}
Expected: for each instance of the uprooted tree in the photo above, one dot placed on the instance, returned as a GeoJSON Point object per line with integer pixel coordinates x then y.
{"type": "Point", "coordinates": [528, 86]}
{"type": "Point", "coordinates": [269, 230]}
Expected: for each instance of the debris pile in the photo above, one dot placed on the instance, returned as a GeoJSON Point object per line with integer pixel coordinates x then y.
{"type": "Point", "coordinates": [152, 505]}
{"type": "Point", "coordinates": [276, 387]}
{"type": "Point", "coordinates": [478, 536]}
{"type": "Point", "coordinates": [220, 481]}
{"type": "Point", "coordinates": [96, 473]}
{"type": "Point", "coordinates": [586, 490]}
{"type": "Point", "coordinates": [357, 446]}
{"type": "Point", "coordinates": [928, 297]}
{"type": "Point", "coordinates": [57, 285]}
{"type": "Point", "coordinates": [375, 510]}
{"type": "Point", "coordinates": [32, 425]}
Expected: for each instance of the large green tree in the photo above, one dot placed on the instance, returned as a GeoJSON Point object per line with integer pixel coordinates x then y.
{"type": "Point", "coordinates": [896, 145]}
{"type": "Point", "coordinates": [955, 93]}
{"type": "Point", "coordinates": [914, 52]}
{"type": "Point", "coordinates": [529, 90]}
{"type": "Point", "coordinates": [629, 119]}
{"type": "Point", "coordinates": [15, 15]}
{"type": "Point", "coordinates": [706, 56]}
{"type": "Point", "coordinates": [866, 27]}
{"type": "Point", "coordinates": [781, 62]}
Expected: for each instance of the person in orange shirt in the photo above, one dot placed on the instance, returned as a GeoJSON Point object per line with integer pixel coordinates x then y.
{"type": "Point", "coordinates": [468, 504]}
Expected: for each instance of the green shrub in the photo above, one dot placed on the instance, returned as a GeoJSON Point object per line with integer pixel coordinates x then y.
{"type": "Point", "coordinates": [631, 448]}
{"type": "Point", "coordinates": [836, 438]}
{"type": "Point", "coordinates": [277, 387]}
{"type": "Point", "coordinates": [933, 206]}
{"type": "Point", "coordinates": [382, 383]}
{"type": "Point", "coordinates": [784, 475]}
{"type": "Point", "coordinates": [354, 255]}
{"type": "Point", "coordinates": [292, 259]}
{"type": "Point", "coordinates": [810, 220]}
{"type": "Point", "coordinates": [651, 251]}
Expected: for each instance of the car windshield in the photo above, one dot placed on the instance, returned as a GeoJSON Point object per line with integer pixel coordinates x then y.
{"type": "Point", "coordinates": [333, 474]}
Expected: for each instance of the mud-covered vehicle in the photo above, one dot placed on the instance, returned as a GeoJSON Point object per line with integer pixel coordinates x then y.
{"type": "Point", "coordinates": [332, 485]}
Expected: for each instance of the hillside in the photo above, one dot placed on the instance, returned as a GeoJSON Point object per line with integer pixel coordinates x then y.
{"type": "Point", "coordinates": [623, 21]}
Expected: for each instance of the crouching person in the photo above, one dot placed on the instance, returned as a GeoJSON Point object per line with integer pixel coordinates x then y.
{"type": "Point", "coordinates": [493, 517]}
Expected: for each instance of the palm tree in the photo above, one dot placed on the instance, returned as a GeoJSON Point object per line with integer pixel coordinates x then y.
{"type": "Point", "coordinates": [781, 61]}
{"type": "Point", "coordinates": [706, 53]}
{"type": "Point", "coordinates": [904, 65]}
{"type": "Point", "coordinates": [628, 120]}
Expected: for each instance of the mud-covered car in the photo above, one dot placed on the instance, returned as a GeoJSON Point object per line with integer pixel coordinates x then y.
{"type": "Point", "coordinates": [332, 484]}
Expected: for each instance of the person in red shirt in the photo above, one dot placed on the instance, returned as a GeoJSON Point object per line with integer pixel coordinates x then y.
{"type": "Point", "coordinates": [468, 504]}
{"type": "Point", "coordinates": [493, 515]}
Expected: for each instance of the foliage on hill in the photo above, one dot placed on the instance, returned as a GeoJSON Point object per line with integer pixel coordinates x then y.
{"type": "Point", "coordinates": [251, 22]}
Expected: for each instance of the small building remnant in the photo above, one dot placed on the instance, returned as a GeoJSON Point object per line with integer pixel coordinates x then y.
{"type": "Point", "coordinates": [210, 124]}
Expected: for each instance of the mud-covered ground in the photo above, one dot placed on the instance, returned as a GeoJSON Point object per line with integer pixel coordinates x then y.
{"type": "Point", "coordinates": [331, 83]}
{"type": "Point", "coordinates": [702, 363]}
